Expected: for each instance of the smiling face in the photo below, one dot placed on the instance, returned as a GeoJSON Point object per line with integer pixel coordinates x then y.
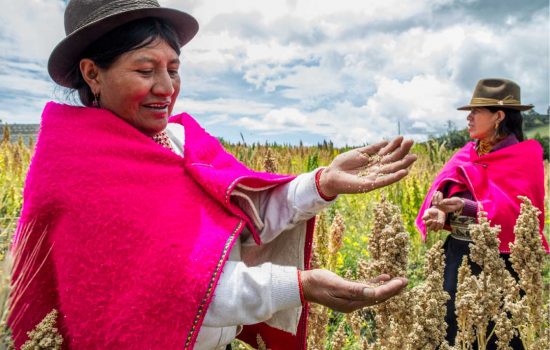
{"type": "Point", "coordinates": [481, 123]}
{"type": "Point", "coordinates": [141, 86]}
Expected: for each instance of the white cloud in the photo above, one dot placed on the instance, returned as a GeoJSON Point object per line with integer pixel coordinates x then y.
{"type": "Point", "coordinates": [307, 83]}
{"type": "Point", "coordinates": [424, 98]}
{"type": "Point", "coordinates": [205, 11]}
{"type": "Point", "coordinates": [517, 52]}
{"type": "Point", "coordinates": [276, 121]}
{"type": "Point", "coordinates": [346, 70]}
{"type": "Point", "coordinates": [222, 106]}
{"type": "Point", "coordinates": [33, 26]}
{"type": "Point", "coordinates": [216, 119]}
{"type": "Point", "coordinates": [343, 124]}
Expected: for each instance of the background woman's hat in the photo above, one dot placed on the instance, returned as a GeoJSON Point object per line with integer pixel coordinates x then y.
{"type": "Point", "coordinates": [495, 92]}
{"type": "Point", "coordinates": [87, 20]}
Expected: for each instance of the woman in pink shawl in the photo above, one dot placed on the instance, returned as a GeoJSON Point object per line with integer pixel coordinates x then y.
{"type": "Point", "coordinates": [139, 231]}
{"type": "Point", "coordinates": [490, 173]}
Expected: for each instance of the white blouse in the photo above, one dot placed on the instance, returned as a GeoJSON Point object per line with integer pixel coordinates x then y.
{"type": "Point", "coordinates": [252, 294]}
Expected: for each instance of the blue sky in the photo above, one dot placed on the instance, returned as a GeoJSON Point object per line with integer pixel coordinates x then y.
{"type": "Point", "coordinates": [291, 70]}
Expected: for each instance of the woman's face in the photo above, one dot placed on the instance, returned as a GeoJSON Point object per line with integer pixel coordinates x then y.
{"type": "Point", "coordinates": [481, 123]}
{"type": "Point", "coordinates": [141, 86]}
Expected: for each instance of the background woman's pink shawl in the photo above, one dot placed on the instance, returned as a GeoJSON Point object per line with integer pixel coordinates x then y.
{"type": "Point", "coordinates": [496, 180]}
{"type": "Point", "coordinates": [128, 238]}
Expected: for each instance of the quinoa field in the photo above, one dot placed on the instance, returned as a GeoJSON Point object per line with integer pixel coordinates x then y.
{"type": "Point", "coordinates": [362, 235]}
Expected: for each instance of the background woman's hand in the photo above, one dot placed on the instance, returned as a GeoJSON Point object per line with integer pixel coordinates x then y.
{"type": "Point", "coordinates": [328, 289]}
{"type": "Point", "coordinates": [451, 205]}
{"type": "Point", "coordinates": [434, 218]}
{"type": "Point", "coordinates": [367, 168]}
{"type": "Point", "coordinates": [437, 197]}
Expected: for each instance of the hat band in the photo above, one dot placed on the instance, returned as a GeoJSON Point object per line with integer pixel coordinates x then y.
{"type": "Point", "coordinates": [115, 7]}
{"type": "Point", "coordinates": [508, 100]}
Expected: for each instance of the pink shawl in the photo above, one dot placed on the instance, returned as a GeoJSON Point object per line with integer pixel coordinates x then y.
{"type": "Point", "coordinates": [495, 181]}
{"type": "Point", "coordinates": [122, 236]}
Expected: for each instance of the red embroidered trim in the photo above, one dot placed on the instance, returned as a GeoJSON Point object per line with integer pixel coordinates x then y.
{"type": "Point", "coordinates": [193, 333]}
{"type": "Point", "coordinates": [300, 287]}
{"type": "Point", "coordinates": [318, 185]}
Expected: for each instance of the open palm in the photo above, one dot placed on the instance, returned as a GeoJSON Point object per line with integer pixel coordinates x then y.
{"type": "Point", "coordinates": [367, 168]}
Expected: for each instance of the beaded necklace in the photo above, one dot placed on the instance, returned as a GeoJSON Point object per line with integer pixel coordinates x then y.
{"type": "Point", "coordinates": [163, 139]}
{"type": "Point", "coordinates": [485, 146]}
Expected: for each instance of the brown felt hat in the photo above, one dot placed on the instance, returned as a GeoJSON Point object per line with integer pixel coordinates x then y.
{"type": "Point", "coordinates": [496, 92]}
{"type": "Point", "coordinates": [87, 20]}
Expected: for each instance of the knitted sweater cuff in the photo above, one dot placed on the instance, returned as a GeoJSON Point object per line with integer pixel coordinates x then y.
{"type": "Point", "coordinates": [470, 208]}
{"type": "Point", "coordinates": [285, 290]}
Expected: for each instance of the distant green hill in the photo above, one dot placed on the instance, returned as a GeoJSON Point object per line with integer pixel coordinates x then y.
{"type": "Point", "coordinates": [537, 126]}
{"type": "Point", "coordinates": [542, 130]}
{"type": "Point", "coordinates": [534, 123]}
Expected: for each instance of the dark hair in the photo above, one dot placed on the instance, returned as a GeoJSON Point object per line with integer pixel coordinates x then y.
{"type": "Point", "coordinates": [128, 37]}
{"type": "Point", "coordinates": [512, 123]}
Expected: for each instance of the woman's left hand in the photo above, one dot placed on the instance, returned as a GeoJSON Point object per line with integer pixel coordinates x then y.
{"type": "Point", "coordinates": [451, 205]}
{"type": "Point", "coordinates": [447, 205]}
{"type": "Point", "coordinates": [367, 168]}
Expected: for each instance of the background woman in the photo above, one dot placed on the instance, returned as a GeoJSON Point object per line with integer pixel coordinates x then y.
{"type": "Point", "coordinates": [142, 231]}
{"type": "Point", "coordinates": [489, 173]}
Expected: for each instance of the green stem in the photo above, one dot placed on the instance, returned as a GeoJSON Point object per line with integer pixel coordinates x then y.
{"type": "Point", "coordinates": [489, 337]}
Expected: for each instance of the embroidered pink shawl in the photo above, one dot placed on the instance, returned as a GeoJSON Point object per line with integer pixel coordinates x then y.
{"type": "Point", "coordinates": [125, 238]}
{"type": "Point", "coordinates": [495, 181]}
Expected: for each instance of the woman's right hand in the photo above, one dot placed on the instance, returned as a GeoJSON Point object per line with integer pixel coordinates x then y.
{"type": "Point", "coordinates": [434, 218]}
{"type": "Point", "coordinates": [328, 289]}
{"type": "Point", "coordinates": [367, 168]}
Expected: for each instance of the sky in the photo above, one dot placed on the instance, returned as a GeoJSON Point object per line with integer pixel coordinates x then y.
{"type": "Point", "coordinates": [287, 71]}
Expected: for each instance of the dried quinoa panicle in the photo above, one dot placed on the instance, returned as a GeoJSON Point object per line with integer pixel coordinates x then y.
{"type": "Point", "coordinates": [527, 257]}
{"type": "Point", "coordinates": [321, 239]}
{"type": "Point", "coordinates": [339, 337]}
{"type": "Point", "coordinates": [389, 249]}
{"type": "Point", "coordinates": [318, 319]}
{"type": "Point", "coordinates": [45, 336]}
{"type": "Point", "coordinates": [6, 262]}
{"type": "Point", "coordinates": [430, 328]}
{"type": "Point", "coordinates": [483, 298]}
{"type": "Point", "coordinates": [269, 162]}
{"type": "Point", "coordinates": [318, 316]}
{"type": "Point", "coordinates": [464, 303]}
{"type": "Point", "coordinates": [388, 242]}
{"type": "Point", "coordinates": [336, 235]}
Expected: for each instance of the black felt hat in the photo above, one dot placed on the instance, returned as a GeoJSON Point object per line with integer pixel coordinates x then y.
{"type": "Point", "coordinates": [88, 20]}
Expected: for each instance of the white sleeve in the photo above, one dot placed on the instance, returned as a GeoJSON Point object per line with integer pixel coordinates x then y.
{"type": "Point", "coordinates": [249, 295]}
{"type": "Point", "coordinates": [281, 207]}
{"type": "Point", "coordinates": [273, 210]}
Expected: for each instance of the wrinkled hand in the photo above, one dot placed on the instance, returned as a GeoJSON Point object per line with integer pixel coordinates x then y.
{"type": "Point", "coordinates": [447, 205]}
{"type": "Point", "coordinates": [437, 197]}
{"type": "Point", "coordinates": [434, 218]}
{"type": "Point", "coordinates": [367, 168]}
{"type": "Point", "coordinates": [328, 289]}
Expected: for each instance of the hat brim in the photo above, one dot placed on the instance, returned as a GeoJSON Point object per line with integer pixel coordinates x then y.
{"type": "Point", "coordinates": [516, 107]}
{"type": "Point", "coordinates": [65, 55]}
